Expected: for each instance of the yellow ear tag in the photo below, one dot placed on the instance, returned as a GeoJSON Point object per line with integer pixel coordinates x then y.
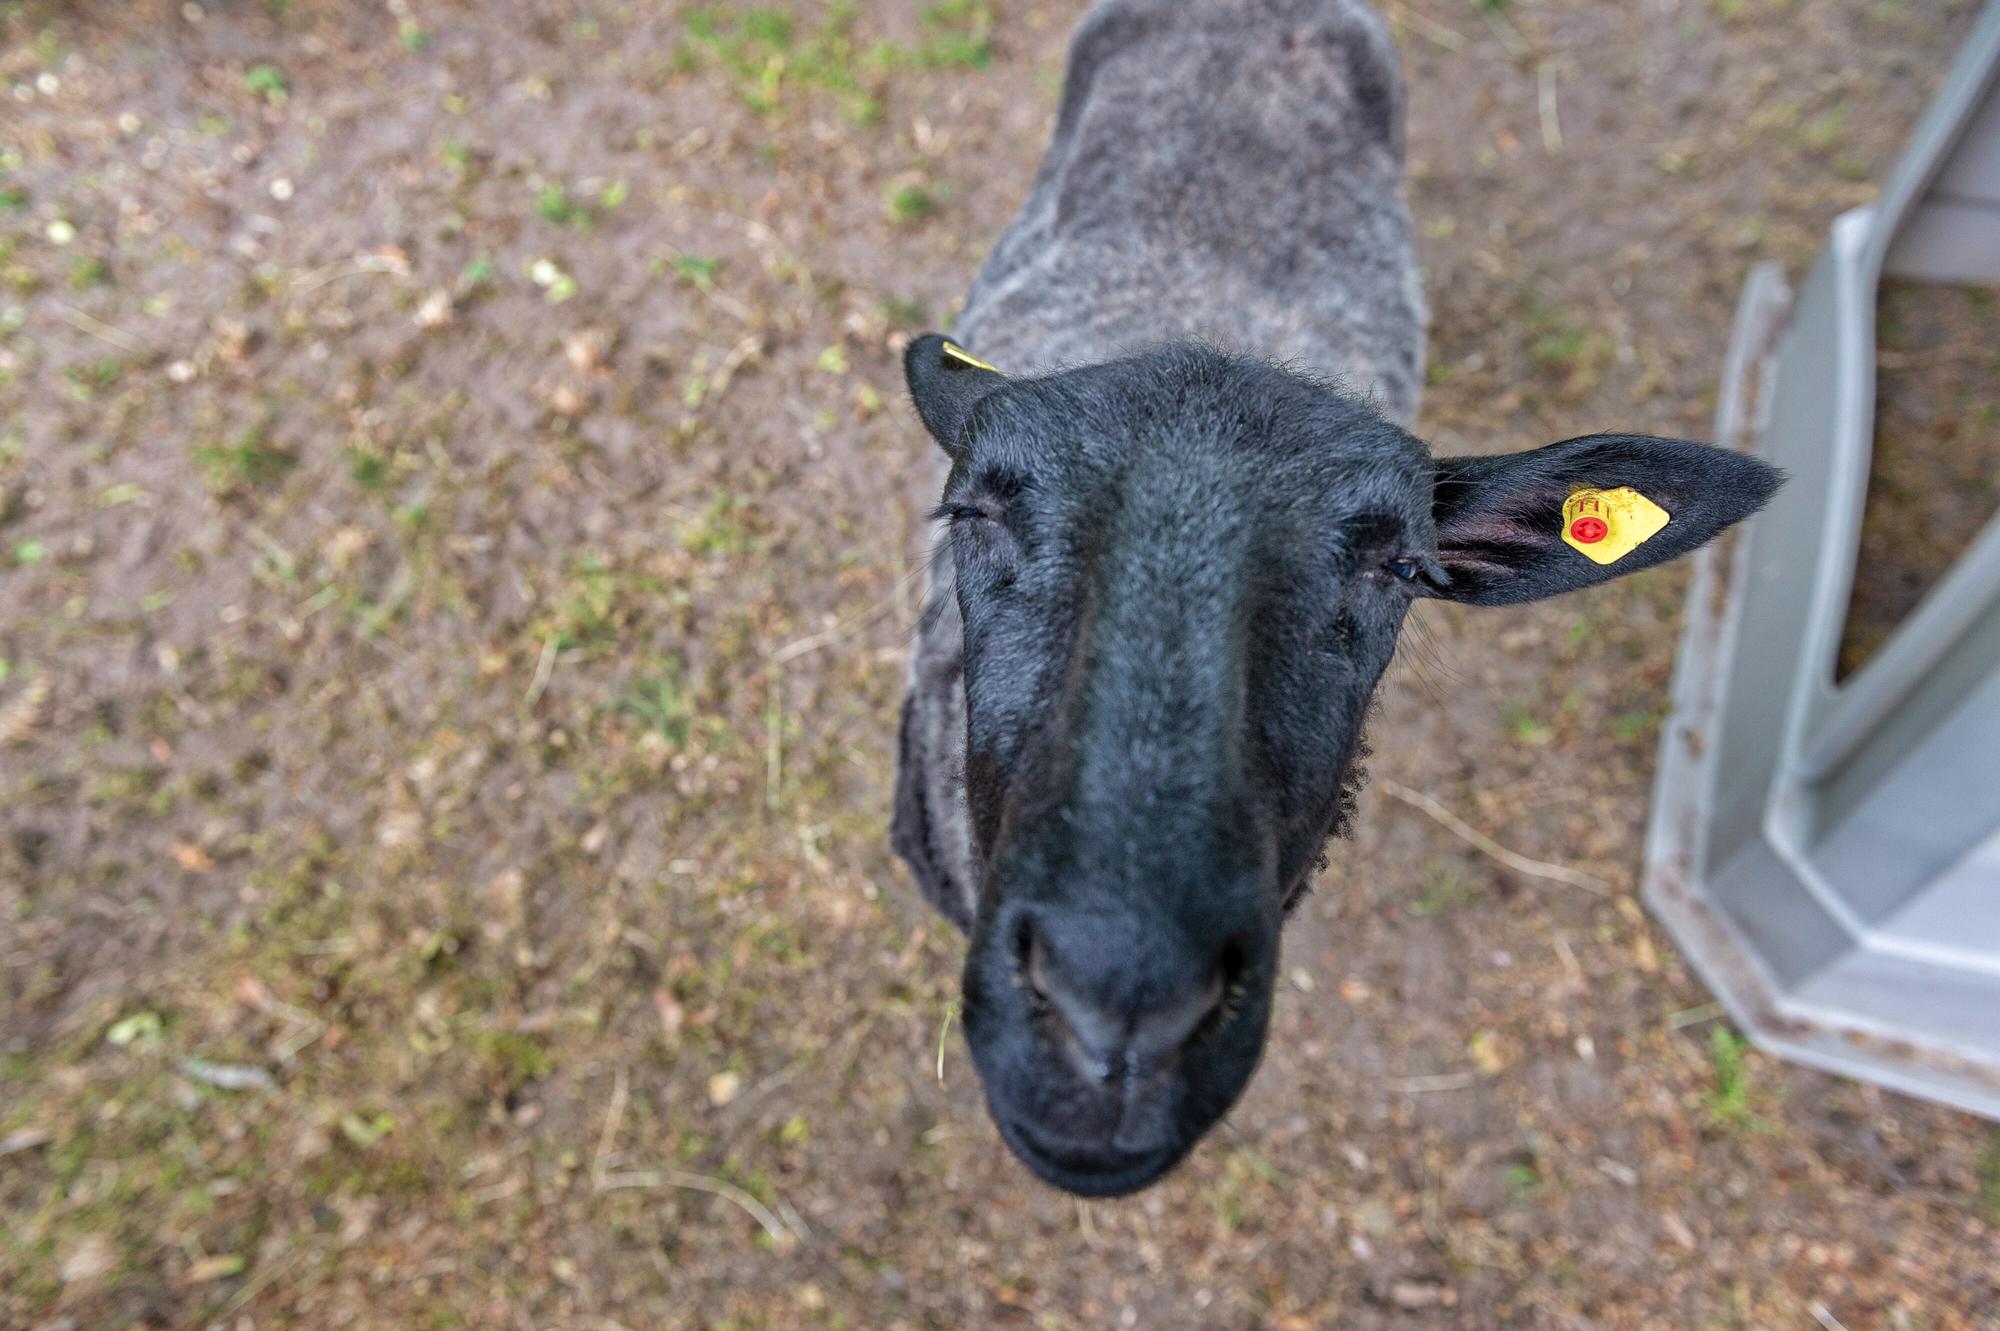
{"type": "Point", "coordinates": [956, 352]}
{"type": "Point", "coordinates": [1607, 525]}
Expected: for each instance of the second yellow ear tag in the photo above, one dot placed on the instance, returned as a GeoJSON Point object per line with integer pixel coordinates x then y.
{"type": "Point", "coordinates": [956, 352]}
{"type": "Point", "coordinates": [1607, 525]}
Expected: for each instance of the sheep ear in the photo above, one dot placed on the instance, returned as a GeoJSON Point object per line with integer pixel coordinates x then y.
{"type": "Point", "coordinates": [1522, 526]}
{"type": "Point", "coordinates": [946, 382]}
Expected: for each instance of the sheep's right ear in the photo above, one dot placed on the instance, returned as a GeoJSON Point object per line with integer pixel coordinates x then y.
{"type": "Point", "coordinates": [1520, 526]}
{"type": "Point", "coordinates": [946, 382]}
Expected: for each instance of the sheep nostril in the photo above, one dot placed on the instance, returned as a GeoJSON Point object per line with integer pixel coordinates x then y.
{"type": "Point", "coordinates": [1106, 1027]}
{"type": "Point", "coordinates": [1092, 1038]}
{"type": "Point", "coordinates": [1235, 959]}
{"type": "Point", "coordinates": [1028, 963]}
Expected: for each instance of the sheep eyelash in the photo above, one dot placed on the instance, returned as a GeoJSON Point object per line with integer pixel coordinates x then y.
{"type": "Point", "coordinates": [1407, 570]}
{"type": "Point", "coordinates": [949, 512]}
{"type": "Point", "coordinates": [1416, 571]}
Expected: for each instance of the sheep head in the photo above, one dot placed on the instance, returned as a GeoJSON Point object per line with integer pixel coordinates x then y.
{"type": "Point", "coordinates": [1180, 576]}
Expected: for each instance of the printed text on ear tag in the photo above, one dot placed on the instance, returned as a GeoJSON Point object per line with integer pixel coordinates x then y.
{"type": "Point", "coordinates": [958, 353]}
{"type": "Point", "coordinates": [1607, 525]}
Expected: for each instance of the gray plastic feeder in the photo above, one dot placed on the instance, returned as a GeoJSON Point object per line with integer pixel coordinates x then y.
{"type": "Point", "coordinates": [1828, 855]}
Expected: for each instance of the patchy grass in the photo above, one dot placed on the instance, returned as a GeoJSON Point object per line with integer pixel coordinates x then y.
{"type": "Point", "coordinates": [722, 528]}
{"type": "Point", "coordinates": [1445, 887]}
{"type": "Point", "coordinates": [87, 271]}
{"type": "Point", "coordinates": [770, 61]}
{"type": "Point", "coordinates": [92, 379]}
{"type": "Point", "coordinates": [1639, 724]}
{"type": "Point", "coordinates": [1519, 719]}
{"type": "Point", "coordinates": [553, 204]}
{"type": "Point", "coordinates": [267, 81]}
{"type": "Point", "coordinates": [513, 1060]}
{"type": "Point", "coordinates": [1523, 1182]}
{"type": "Point", "coordinates": [905, 204]}
{"type": "Point", "coordinates": [1233, 1198]}
{"type": "Point", "coordinates": [958, 35]}
{"type": "Point", "coordinates": [439, 774]}
{"type": "Point", "coordinates": [697, 271]}
{"type": "Point", "coordinates": [249, 462]}
{"type": "Point", "coordinates": [1731, 1102]}
{"type": "Point", "coordinates": [586, 607]}
{"type": "Point", "coordinates": [903, 312]}
{"type": "Point", "coordinates": [1565, 350]}
{"type": "Point", "coordinates": [1989, 1176]}
{"type": "Point", "coordinates": [659, 702]}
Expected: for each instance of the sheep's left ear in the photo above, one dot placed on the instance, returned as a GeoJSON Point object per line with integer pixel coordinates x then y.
{"type": "Point", "coordinates": [1522, 526]}
{"type": "Point", "coordinates": [946, 382]}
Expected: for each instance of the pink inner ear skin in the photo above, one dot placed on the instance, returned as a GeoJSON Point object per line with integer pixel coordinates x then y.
{"type": "Point", "coordinates": [1480, 533]}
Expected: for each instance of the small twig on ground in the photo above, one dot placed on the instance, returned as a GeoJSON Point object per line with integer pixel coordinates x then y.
{"type": "Point", "coordinates": [1824, 1317]}
{"type": "Point", "coordinates": [715, 1187]}
{"type": "Point", "coordinates": [607, 1137]}
{"type": "Point", "coordinates": [1691, 1016]}
{"type": "Point", "coordinates": [793, 1220]}
{"type": "Point", "coordinates": [97, 328]}
{"type": "Point", "coordinates": [1430, 1209]}
{"type": "Point", "coordinates": [1086, 1223]}
{"type": "Point", "coordinates": [846, 628]}
{"type": "Point", "coordinates": [229, 1076]}
{"type": "Point", "coordinates": [306, 1028]}
{"type": "Point", "coordinates": [1571, 966]}
{"type": "Point", "coordinates": [27, 1139]}
{"type": "Point", "coordinates": [1435, 1081]}
{"type": "Point", "coordinates": [357, 266]}
{"type": "Point", "coordinates": [255, 1285]}
{"type": "Point", "coordinates": [1503, 28]}
{"type": "Point", "coordinates": [950, 1011]}
{"type": "Point", "coordinates": [20, 717]}
{"type": "Point", "coordinates": [544, 669]}
{"type": "Point", "coordinates": [739, 1107]}
{"type": "Point", "coordinates": [496, 1192]}
{"type": "Point", "coordinates": [1486, 845]}
{"type": "Point", "coordinates": [1545, 85]}
{"type": "Point", "coordinates": [746, 350]}
{"type": "Point", "coordinates": [774, 741]}
{"type": "Point", "coordinates": [1437, 33]}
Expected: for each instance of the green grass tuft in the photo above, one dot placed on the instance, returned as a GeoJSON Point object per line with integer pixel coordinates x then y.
{"type": "Point", "coordinates": [696, 270]}
{"type": "Point", "coordinates": [267, 81]}
{"type": "Point", "coordinates": [248, 463]}
{"type": "Point", "coordinates": [1989, 1177]}
{"type": "Point", "coordinates": [1731, 1103]}
{"type": "Point", "coordinates": [660, 703]}
{"type": "Point", "coordinates": [553, 204]}
{"type": "Point", "coordinates": [910, 203]}
{"type": "Point", "coordinates": [1445, 887]}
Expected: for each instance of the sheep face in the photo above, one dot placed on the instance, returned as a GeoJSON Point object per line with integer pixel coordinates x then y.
{"type": "Point", "coordinates": [1179, 578]}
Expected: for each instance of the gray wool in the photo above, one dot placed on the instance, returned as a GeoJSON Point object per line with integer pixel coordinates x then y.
{"type": "Point", "coordinates": [1222, 170]}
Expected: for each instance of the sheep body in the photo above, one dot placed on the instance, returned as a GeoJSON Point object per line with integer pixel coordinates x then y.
{"type": "Point", "coordinates": [1223, 171]}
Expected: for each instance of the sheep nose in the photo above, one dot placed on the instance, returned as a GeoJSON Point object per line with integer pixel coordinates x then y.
{"type": "Point", "coordinates": [1121, 1016]}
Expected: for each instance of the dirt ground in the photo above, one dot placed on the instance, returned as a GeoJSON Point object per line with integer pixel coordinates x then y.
{"type": "Point", "coordinates": [456, 530]}
{"type": "Point", "coordinates": [1934, 480]}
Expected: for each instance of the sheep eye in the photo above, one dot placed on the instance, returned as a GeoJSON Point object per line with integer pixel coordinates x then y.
{"type": "Point", "coordinates": [956, 513]}
{"type": "Point", "coordinates": [1406, 569]}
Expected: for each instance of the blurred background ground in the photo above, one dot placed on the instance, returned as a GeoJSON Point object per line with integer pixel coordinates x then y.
{"type": "Point", "coordinates": [456, 530]}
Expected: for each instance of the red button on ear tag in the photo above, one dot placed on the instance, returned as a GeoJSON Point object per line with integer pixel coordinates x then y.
{"type": "Point", "coordinates": [1589, 530]}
